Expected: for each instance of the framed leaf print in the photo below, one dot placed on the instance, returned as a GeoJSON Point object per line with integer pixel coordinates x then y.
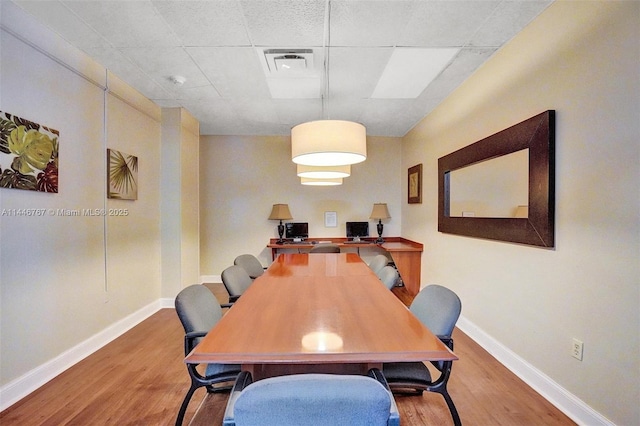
{"type": "Point", "coordinates": [415, 184]}
{"type": "Point", "coordinates": [122, 175]}
{"type": "Point", "coordinates": [28, 154]}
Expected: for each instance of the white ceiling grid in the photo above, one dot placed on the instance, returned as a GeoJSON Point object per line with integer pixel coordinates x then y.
{"type": "Point", "coordinates": [218, 47]}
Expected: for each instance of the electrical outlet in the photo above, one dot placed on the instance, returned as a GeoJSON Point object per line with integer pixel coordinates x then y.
{"type": "Point", "coordinates": [576, 349]}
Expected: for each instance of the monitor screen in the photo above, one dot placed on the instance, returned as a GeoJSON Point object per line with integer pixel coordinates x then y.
{"type": "Point", "coordinates": [357, 229]}
{"type": "Point", "coordinates": [297, 230]}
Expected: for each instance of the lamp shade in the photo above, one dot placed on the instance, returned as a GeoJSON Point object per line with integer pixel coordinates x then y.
{"type": "Point", "coordinates": [328, 143]}
{"type": "Point", "coordinates": [321, 182]}
{"type": "Point", "coordinates": [324, 172]}
{"type": "Point", "coordinates": [380, 211]}
{"type": "Point", "coordinates": [280, 212]}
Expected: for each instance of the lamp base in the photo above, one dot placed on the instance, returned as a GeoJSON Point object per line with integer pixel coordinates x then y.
{"type": "Point", "coordinates": [280, 232]}
{"type": "Point", "coordinates": [380, 240]}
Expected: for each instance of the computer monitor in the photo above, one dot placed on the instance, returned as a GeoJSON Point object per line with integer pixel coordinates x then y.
{"type": "Point", "coordinates": [356, 230]}
{"type": "Point", "coordinates": [297, 230]}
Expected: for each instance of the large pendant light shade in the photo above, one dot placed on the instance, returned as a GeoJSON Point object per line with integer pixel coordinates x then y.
{"type": "Point", "coordinates": [328, 143]}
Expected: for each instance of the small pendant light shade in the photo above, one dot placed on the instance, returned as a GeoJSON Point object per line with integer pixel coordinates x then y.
{"type": "Point", "coordinates": [327, 172]}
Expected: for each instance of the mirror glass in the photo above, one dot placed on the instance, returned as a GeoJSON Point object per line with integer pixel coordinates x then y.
{"type": "Point", "coordinates": [497, 187]}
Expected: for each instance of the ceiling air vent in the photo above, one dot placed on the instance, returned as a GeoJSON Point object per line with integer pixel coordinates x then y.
{"type": "Point", "coordinates": [286, 61]}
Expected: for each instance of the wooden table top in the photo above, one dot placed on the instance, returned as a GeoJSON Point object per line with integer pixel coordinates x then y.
{"type": "Point", "coordinates": [316, 309]}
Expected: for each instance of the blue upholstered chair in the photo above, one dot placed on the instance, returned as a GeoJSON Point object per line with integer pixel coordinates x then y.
{"type": "Point", "coordinates": [378, 262]}
{"type": "Point", "coordinates": [313, 400]}
{"type": "Point", "coordinates": [251, 264]}
{"type": "Point", "coordinates": [236, 280]}
{"type": "Point", "coordinates": [438, 308]}
{"type": "Point", "coordinates": [388, 275]}
{"type": "Point", "coordinates": [199, 310]}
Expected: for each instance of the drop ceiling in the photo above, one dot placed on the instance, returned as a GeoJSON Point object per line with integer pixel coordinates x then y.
{"type": "Point", "coordinates": [262, 67]}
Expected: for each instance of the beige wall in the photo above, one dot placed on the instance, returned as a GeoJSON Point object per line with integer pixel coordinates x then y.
{"type": "Point", "coordinates": [581, 59]}
{"type": "Point", "coordinates": [242, 177]}
{"type": "Point", "coordinates": [65, 279]}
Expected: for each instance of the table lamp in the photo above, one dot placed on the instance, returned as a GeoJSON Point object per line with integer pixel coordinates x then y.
{"type": "Point", "coordinates": [380, 212]}
{"type": "Point", "coordinates": [280, 212]}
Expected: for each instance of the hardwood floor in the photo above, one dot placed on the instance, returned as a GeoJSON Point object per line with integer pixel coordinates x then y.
{"type": "Point", "coordinates": [140, 379]}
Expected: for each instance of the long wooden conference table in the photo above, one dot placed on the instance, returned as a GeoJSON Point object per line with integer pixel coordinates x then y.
{"type": "Point", "coordinates": [317, 313]}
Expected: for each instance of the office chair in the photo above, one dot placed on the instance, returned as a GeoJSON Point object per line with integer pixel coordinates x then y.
{"type": "Point", "coordinates": [251, 264]}
{"type": "Point", "coordinates": [388, 275]}
{"type": "Point", "coordinates": [236, 280]}
{"type": "Point", "coordinates": [325, 248]}
{"type": "Point", "coordinates": [313, 400]}
{"type": "Point", "coordinates": [378, 262]}
{"type": "Point", "coordinates": [438, 308]}
{"type": "Point", "coordinates": [199, 310]}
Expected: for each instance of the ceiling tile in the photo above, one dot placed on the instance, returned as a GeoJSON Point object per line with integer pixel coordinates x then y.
{"type": "Point", "coordinates": [368, 23]}
{"type": "Point", "coordinates": [193, 93]}
{"type": "Point", "coordinates": [67, 24]}
{"type": "Point", "coordinates": [355, 72]}
{"type": "Point", "coordinates": [376, 113]}
{"type": "Point", "coordinates": [465, 64]}
{"type": "Point", "coordinates": [506, 21]}
{"type": "Point", "coordinates": [120, 65]}
{"type": "Point", "coordinates": [205, 23]}
{"type": "Point", "coordinates": [126, 23]}
{"type": "Point", "coordinates": [293, 112]}
{"type": "Point", "coordinates": [445, 23]}
{"type": "Point", "coordinates": [285, 22]}
{"type": "Point", "coordinates": [235, 72]}
{"type": "Point", "coordinates": [160, 63]}
{"type": "Point", "coordinates": [410, 70]}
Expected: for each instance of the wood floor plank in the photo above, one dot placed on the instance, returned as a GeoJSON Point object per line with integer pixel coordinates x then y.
{"type": "Point", "coordinates": [140, 379]}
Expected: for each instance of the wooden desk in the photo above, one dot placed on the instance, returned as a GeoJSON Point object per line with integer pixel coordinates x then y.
{"type": "Point", "coordinates": [405, 254]}
{"type": "Point", "coordinates": [317, 313]}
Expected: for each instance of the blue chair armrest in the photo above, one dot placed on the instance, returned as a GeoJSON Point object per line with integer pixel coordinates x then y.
{"type": "Point", "coordinates": [244, 379]}
{"type": "Point", "coordinates": [394, 414]}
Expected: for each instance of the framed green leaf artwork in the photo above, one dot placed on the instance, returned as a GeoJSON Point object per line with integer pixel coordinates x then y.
{"type": "Point", "coordinates": [28, 154]}
{"type": "Point", "coordinates": [122, 175]}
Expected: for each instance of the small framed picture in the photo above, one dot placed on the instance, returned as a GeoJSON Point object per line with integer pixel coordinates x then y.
{"type": "Point", "coordinates": [122, 175]}
{"type": "Point", "coordinates": [330, 219]}
{"type": "Point", "coordinates": [414, 184]}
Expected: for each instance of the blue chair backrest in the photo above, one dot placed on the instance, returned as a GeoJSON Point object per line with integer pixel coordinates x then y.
{"type": "Point", "coordinates": [236, 280]}
{"type": "Point", "coordinates": [438, 308]}
{"type": "Point", "coordinates": [314, 399]}
{"type": "Point", "coordinates": [197, 308]}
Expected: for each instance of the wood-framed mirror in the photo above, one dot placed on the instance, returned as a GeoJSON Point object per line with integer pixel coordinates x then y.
{"type": "Point", "coordinates": [536, 225]}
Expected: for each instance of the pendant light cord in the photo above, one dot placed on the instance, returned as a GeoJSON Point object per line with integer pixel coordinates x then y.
{"type": "Point", "coordinates": [327, 43]}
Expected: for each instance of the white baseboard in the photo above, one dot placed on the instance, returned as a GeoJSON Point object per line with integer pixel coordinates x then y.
{"type": "Point", "coordinates": [167, 302]}
{"type": "Point", "coordinates": [210, 279]}
{"type": "Point", "coordinates": [22, 386]}
{"type": "Point", "coordinates": [565, 401]}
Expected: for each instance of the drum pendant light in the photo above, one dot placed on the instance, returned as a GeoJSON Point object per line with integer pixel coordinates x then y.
{"type": "Point", "coordinates": [328, 142]}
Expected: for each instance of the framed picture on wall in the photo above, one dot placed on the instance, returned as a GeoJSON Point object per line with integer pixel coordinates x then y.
{"type": "Point", "coordinates": [414, 184]}
{"type": "Point", "coordinates": [122, 175]}
{"type": "Point", "coordinates": [28, 154]}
